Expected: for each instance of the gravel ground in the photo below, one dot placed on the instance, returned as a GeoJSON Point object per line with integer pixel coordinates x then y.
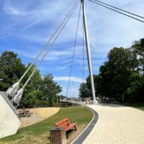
{"type": "Point", "coordinates": [38, 114]}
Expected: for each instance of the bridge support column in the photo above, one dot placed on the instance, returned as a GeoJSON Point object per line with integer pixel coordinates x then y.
{"type": "Point", "coordinates": [88, 53]}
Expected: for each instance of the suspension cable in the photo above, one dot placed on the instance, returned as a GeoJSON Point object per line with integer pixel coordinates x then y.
{"type": "Point", "coordinates": [73, 51]}
{"type": "Point", "coordinates": [60, 30]}
{"type": "Point", "coordinates": [117, 11]}
{"type": "Point", "coordinates": [120, 9]}
{"type": "Point", "coordinates": [45, 47]}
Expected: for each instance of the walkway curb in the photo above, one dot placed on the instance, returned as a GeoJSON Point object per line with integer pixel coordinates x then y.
{"type": "Point", "coordinates": [88, 129]}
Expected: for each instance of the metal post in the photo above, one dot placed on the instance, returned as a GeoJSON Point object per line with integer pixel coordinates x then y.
{"type": "Point", "coordinates": [88, 51]}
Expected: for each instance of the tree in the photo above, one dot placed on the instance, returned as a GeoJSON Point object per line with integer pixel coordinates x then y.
{"type": "Point", "coordinates": [137, 50]}
{"type": "Point", "coordinates": [85, 88]}
{"type": "Point", "coordinates": [135, 90]}
{"type": "Point", "coordinates": [32, 90]}
{"type": "Point", "coordinates": [50, 90]}
{"type": "Point", "coordinates": [11, 69]}
{"type": "Point", "coordinates": [115, 73]}
{"type": "Point", "coordinates": [96, 84]}
{"type": "Point", "coordinates": [84, 91]}
{"type": "Point", "coordinates": [122, 75]}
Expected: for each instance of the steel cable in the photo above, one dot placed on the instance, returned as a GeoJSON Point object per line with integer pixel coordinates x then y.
{"type": "Point", "coordinates": [117, 11]}
{"type": "Point", "coordinates": [60, 30]}
{"type": "Point", "coordinates": [73, 52]}
{"type": "Point", "coordinates": [45, 47]}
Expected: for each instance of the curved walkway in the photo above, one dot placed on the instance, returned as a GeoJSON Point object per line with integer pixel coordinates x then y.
{"type": "Point", "coordinates": [87, 130]}
{"type": "Point", "coordinates": [117, 125]}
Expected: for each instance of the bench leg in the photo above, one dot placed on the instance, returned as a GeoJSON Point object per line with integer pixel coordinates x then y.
{"type": "Point", "coordinates": [66, 135]}
{"type": "Point", "coordinates": [75, 128]}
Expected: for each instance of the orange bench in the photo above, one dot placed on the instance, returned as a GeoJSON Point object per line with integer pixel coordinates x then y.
{"type": "Point", "coordinates": [65, 123]}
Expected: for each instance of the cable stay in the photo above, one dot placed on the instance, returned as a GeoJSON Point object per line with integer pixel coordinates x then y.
{"type": "Point", "coordinates": [118, 10]}
{"type": "Point", "coordinates": [72, 61]}
{"type": "Point", "coordinates": [14, 92]}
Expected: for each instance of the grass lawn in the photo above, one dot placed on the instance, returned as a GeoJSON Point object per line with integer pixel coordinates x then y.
{"type": "Point", "coordinates": [39, 133]}
{"type": "Point", "coordinates": [136, 105]}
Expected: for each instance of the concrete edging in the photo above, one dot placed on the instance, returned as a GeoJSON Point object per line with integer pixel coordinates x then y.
{"type": "Point", "coordinates": [88, 129]}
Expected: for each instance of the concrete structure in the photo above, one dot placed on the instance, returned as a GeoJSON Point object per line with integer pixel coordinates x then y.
{"type": "Point", "coordinates": [9, 120]}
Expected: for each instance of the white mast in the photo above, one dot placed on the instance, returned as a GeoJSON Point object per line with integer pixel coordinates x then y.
{"type": "Point", "coordinates": [88, 51]}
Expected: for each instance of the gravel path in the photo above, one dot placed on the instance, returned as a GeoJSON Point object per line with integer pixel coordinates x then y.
{"type": "Point", "coordinates": [38, 114]}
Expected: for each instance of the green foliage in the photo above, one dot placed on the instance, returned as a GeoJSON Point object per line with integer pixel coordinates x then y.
{"type": "Point", "coordinates": [41, 92]}
{"type": "Point", "coordinates": [96, 84]}
{"type": "Point", "coordinates": [32, 90]}
{"type": "Point", "coordinates": [50, 90]}
{"type": "Point", "coordinates": [115, 73]}
{"type": "Point", "coordinates": [137, 50]}
{"type": "Point", "coordinates": [85, 88]}
{"type": "Point", "coordinates": [36, 91]}
{"type": "Point", "coordinates": [136, 87]}
{"type": "Point", "coordinates": [84, 91]}
{"type": "Point", "coordinates": [122, 76]}
{"type": "Point", "coordinates": [11, 69]}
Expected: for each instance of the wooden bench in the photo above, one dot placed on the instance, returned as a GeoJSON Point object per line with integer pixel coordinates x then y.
{"type": "Point", "coordinates": [24, 113]}
{"type": "Point", "coordinates": [65, 123]}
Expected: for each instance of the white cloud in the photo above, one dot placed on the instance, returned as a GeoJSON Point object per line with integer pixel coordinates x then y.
{"type": "Point", "coordinates": [66, 78]}
{"type": "Point", "coordinates": [9, 9]}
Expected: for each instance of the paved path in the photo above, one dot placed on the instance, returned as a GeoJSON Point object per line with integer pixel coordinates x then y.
{"type": "Point", "coordinates": [117, 125]}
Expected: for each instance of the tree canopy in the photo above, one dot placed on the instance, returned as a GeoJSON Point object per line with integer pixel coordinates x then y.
{"type": "Point", "coordinates": [38, 92]}
{"type": "Point", "coordinates": [11, 69]}
{"type": "Point", "coordinates": [122, 75]}
{"type": "Point", "coordinates": [50, 90]}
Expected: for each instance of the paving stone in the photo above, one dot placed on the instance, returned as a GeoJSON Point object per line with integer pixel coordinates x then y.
{"type": "Point", "coordinates": [117, 125]}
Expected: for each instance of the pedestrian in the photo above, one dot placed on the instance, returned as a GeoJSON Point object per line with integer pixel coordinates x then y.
{"type": "Point", "coordinates": [107, 100]}
{"type": "Point", "coordinates": [104, 99]}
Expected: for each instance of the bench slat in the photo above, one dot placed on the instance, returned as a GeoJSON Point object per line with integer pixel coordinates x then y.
{"type": "Point", "coordinates": [65, 123]}
{"type": "Point", "coordinates": [70, 126]}
{"type": "Point", "coordinates": [62, 121]}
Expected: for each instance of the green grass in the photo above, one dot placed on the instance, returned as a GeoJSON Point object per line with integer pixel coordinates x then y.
{"type": "Point", "coordinates": [39, 133]}
{"type": "Point", "coordinates": [136, 105]}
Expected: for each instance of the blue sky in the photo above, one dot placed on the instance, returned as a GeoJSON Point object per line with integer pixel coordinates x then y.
{"type": "Point", "coordinates": [26, 26]}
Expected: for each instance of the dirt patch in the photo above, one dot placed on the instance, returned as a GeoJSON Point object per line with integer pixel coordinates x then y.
{"type": "Point", "coordinates": [38, 114]}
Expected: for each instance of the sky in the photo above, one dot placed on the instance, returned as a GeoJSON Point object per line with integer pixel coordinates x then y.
{"type": "Point", "coordinates": [26, 26]}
